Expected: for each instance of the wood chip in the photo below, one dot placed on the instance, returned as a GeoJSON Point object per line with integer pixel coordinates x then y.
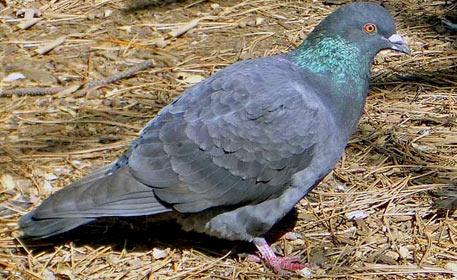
{"type": "Point", "coordinates": [7, 182]}
{"type": "Point", "coordinates": [13, 77]}
{"type": "Point", "coordinates": [25, 24]}
{"type": "Point", "coordinates": [183, 29]}
{"type": "Point", "coordinates": [49, 47]}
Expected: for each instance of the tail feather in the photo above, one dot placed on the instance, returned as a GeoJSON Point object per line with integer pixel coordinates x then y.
{"type": "Point", "coordinates": [97, 195]}
{"type": "Point", "coordinates": [49, 227]}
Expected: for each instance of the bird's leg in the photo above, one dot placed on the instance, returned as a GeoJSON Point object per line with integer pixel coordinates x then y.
{"type": "Point", "coordinates": [275, 262]}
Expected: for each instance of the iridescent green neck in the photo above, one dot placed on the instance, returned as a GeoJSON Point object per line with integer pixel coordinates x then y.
{"type": "Point", "coordinates": [344, 69]}
{"type": "Point", "coordinates": [335, 58]}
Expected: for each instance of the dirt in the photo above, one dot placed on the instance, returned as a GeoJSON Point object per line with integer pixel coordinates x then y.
{"type": "Point", "coordinates": [404, 148]}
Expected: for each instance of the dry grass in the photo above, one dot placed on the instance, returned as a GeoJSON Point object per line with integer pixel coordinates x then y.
{"type": "Point", "coordinates": [406, 144]}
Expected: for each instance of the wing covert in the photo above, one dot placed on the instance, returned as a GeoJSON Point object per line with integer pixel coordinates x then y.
{"type": "Point", "coordinates": [237, 137]}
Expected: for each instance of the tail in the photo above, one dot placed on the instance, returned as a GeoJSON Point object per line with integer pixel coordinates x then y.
{"type": "Point", "coordinates": [97, 195]}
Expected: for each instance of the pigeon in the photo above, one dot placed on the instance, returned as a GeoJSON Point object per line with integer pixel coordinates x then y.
{"type": "Point", "coordinates": [234, 153]}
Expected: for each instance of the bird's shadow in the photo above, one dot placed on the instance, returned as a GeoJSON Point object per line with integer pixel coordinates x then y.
{"type": "Point", "coordinates": [140, 234]}
{"type": "Point", "coordinates": [133, 6]}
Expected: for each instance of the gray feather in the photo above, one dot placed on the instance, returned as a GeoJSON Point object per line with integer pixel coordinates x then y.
{"type": "Point", "coordinates": [101, 194]}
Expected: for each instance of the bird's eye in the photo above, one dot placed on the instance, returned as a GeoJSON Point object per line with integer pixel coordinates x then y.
{"type": "Point", "coordinates": [370, 27]}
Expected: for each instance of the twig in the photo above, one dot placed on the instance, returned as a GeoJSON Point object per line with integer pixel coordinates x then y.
{"type": "Point", "coordinates": [30, 91]}
{"type": "Point", "coordinates": [111, 79]}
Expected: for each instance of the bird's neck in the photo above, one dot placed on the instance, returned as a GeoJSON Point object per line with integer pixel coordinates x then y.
{"type": "Point", "coordinates": [342, 68]}
{"type": "Point", "coordinates": [334, 58]}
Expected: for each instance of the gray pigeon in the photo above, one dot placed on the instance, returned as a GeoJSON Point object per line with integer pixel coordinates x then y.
{"type": "Point", "coordinates": [233, 154]}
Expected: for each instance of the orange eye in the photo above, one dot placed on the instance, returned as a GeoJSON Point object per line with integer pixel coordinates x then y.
{"type": "Point", "coordinates": [370, 27]}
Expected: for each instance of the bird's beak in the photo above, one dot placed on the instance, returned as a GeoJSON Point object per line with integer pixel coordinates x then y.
{"type": "Point", "coordinates": [398, 43]}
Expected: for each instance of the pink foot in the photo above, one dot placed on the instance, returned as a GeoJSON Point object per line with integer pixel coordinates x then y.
{"type": "Point", "coordinates": [278, 264]}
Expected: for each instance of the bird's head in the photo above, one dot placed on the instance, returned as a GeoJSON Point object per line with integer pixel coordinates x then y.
{"type": "Point", "coordinates": [368, 25]}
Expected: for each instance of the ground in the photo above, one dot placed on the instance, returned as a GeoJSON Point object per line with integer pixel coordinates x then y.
{"type": "Point", "coordinates": [372, 217]}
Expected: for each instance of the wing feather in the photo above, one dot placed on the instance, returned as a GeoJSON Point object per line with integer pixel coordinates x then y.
{"type": "Point", "coordinates": [237, 137]}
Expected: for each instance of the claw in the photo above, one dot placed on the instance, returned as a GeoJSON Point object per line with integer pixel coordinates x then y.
{"type": "Point", "coordinates": [278, 264]}
{"type": "Point", "coordinates": [288, 263]}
